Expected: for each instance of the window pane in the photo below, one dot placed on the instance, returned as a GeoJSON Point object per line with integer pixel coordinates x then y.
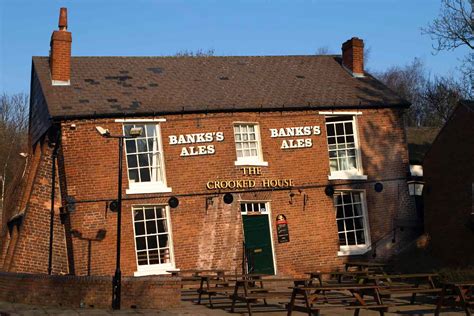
{"type": "Point", "coordinates": [351, 238]}
{"type": "Point", "coordinates": [348, 211]}
{"type": "Point", "coordinates": [340, 225]}
{"type": "Point", "coordinates": [339, 129]}
{"type": "Point", "coordinates": [163, 239]}
{"type": "Point", "coordinates": [130, 146]}
{"type": "Point", "coordinates": [151, 227]}
{"type": "Point", "coordinates": [150, 130]}
{"type": "Point", "coordinates": [154, 256]}
{"type": "Point", "coordinates": [133, 175]}
{"type": "Point", "coordinates": [349, 224]}
{"type": "Point", "coordinates": [145, 175]}
{"type": "Point", "coordinates": [357, 209]}
{"type": "Point", "coordinates": [142, 258]}
{"type": "Point", "coordinates": [342, 239]}
{"type": "Point", "coordinates": [162, 226]}
{"type": "Point", "coordinates": [149, 213]}
{"type": "Point", "coordinates": [160, 213]}
{"type": "Point", "coordinates": [132, 161]}
{"type": "Point", "coordinates": [139, 228]}
{"type": "Point", "coordinates": [348, 127]}
{"type": "Point", "coordinates": [138, 215]}
{"type": "Point", "coordinates": [152, 242]}
{"type": "Point", "coordinates": [359, 222]}
{"type": "Point", "coordinates": [141, 244]}
{"type": "Point", "coordinates": [346, 198]}
{"type": "Point", "coordinates": [360, 237]}
{"type": "Point", "coordinates": [330, 130]}
{"type": "Point", "coordinates": [340, 212]}
{"type": "Point", "coordinates": [143, 160]}
{"type": "Point", "coordinates": [141, 145]}
{"type": "Point", "coordinates": [164, 255]}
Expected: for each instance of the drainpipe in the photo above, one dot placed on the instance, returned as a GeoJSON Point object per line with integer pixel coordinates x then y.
{"type": "Point", "coordinates": [53, 189]}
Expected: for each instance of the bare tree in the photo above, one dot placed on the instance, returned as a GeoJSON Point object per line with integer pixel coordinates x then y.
{"type": "Point", "coordinates": [454, 26]}
{"type": "Point", "coordinates": [408, 82]}
{"type": "Point", "coordinates": [13, 137]}
{"type": "Point", "coordinates": [197, 53]}
{"type": "Point", "coordinates": [441, 95]}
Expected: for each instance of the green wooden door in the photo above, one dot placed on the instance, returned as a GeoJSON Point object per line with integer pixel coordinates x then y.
{"type": "Point", "coordinates": [258, 244]}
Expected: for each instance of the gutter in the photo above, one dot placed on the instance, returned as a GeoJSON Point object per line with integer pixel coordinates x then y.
{"type": "Point", "coordinates": [59, 118]}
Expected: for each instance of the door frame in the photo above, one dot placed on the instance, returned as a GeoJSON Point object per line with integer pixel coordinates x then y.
{"type": "Point", "coordinates": [268, 213]}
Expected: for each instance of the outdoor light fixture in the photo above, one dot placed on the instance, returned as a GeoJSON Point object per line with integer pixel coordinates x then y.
{"type": "Point", "coordinates": [228, 198]}
{"type": "Point", "coordinates": [378, 187]}
{"type": "Point", "coordinates": [117, 280]}
{"type": "Point", "coordinates": [329, 190]}
{"type": "Point", "coordinates": [173, 202]}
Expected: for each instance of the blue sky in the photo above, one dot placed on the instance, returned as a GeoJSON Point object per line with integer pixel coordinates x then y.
{"type": "Point", "coordinates": [391, 28]}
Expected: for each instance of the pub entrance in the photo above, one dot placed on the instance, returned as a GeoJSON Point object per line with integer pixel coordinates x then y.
{"type": "Point", "coordinates": [258, 238]}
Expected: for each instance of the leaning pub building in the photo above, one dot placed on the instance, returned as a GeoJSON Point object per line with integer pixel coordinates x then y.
{"type": "Point", "coordinates": [271, 164]}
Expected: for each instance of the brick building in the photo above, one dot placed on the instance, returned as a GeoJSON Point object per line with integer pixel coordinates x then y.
{"type": "Point", "coordinates": [449, 189]}
{"type": "Point", "coordinates": [299, 142]}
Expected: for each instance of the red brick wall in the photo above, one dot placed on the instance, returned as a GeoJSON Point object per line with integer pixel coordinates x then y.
{"type": "Point", "coordinates": [72, 291]}
{"type": "Point", "coordinates": [449, 175]}
{"type": "Point", "coordinates": [213, 237]}
{"type": "Point", "coordinates": [28, 251]}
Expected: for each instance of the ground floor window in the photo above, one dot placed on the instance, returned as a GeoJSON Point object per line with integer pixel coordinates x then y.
{"type": "Point", "coordinates": [352, 222]}
{"type": "Point", "coordinates": [152, 239]}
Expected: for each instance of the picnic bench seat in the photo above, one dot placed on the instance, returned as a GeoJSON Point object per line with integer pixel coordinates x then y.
{"type": "Point", "coordinates": [315, 299]}
{"type": "Point", "coordinates": [421, 283]}
{"type": "Point", "coordinates": [250, 291]}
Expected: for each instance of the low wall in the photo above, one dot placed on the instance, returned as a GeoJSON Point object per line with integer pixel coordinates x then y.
{"type": "Point", "coordinates": [89, 291]}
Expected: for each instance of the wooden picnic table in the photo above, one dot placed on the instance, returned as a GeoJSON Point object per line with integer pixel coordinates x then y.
{"type": "Point", "coordinates": [196, 272]}
{"type": "Point", "coordinates": [315, 299]}
{"type": "Point", "coordinates": [250, 290]}
{"type": "Point", "coordinates": [463, 295]}
{"type": "Point", "coordinates": [366, 266]}
{"type": "Point", "coordinates": [414, 283]}
{"type": "Point", "coordinates": [340, 275]}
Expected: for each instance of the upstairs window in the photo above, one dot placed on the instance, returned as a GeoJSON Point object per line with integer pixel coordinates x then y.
{"type": "Point", "coordinates": [352, 223]}
{"type": "Point", "coordinates": [343, 147]}
{"type": "Point", "coordinates": [247, 144]}
{"type": "Point", "coordinates": [145, 163]}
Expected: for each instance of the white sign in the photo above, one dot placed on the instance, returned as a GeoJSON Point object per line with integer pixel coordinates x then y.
{"type": "Point", "coordinates": [295, 131]}
{"type": "Point", "coordinates": [197, 138]}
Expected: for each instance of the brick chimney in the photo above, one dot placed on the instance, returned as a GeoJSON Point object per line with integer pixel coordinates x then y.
{"type": "Point", "coordinates": [353, 56]}
{"type": "Point", "coordinates": [60, 53]}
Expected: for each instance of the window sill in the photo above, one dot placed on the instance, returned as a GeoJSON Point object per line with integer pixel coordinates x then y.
{"type": "Point", "coordinates": [353, 251]}
{"type": "Point", "coordinates": [159, 269]}
{"type": "Point", "coordinates": [346, 176]}
{"type": "Point", "coordinates": [251, 163]}
{"type": "Point", "coordinates": [143, 188]}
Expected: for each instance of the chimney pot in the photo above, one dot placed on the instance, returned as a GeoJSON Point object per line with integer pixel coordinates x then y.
{"type": "Point", "coordinates": [63, 19]}
{"type": "Point", "coordinates": [353, 56]}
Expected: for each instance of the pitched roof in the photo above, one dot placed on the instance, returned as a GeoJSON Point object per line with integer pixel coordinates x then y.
{"type": "Point", "coordinates": [115, 86]}
{"type": "Point", "coordinates": [419, 141]}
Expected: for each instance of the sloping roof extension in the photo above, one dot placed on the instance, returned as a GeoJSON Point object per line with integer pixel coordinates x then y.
{"type": "Point", "coordinates": [124, 86]}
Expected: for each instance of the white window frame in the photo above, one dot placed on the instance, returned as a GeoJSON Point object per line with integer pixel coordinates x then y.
{"type": "Point", "coordinates": [250, 161]}
{"type": "Point", "coordinates": [358, 173]}
{"type": "Point", "coordinates": [153, 269]}
{"type": "Point", "coordinates": [351, 250]}
{"type": "Point", "coordinates": [151, 186]}
{"type": "Point", "coordinates": [268, 213]}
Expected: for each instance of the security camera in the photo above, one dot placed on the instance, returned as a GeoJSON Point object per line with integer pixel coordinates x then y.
{"type": "Point", "coordinates": [102, 131]}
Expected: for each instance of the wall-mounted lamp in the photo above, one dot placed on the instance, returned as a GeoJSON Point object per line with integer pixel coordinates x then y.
{"type": "Point", "coordinates": [173, 202]}
{"type": "Point", "coordinates": [228, 198]}
{"type": "Point", "coordinates": [329, 190]}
